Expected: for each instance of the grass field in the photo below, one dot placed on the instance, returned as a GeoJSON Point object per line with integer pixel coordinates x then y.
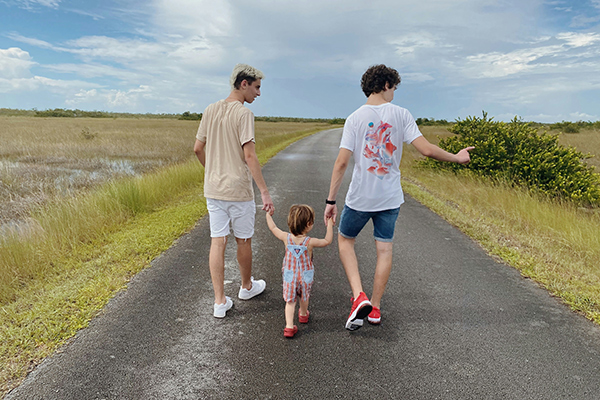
{"type": "Point", "coordinates": [84, 245]}
{"type": "Point", "coordinates": [42, 158]}
{"type": "Point", "coordinates": [586, 141]}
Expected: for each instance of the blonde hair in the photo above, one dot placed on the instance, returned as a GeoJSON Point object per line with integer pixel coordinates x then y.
{"type": "Point", "coordinates": [244, 72]}
{"type": "Point", "coordinates": [299, 217]}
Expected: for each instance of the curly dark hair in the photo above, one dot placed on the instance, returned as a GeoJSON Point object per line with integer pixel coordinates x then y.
{"type": "Point", "coordinates": [375, 78]}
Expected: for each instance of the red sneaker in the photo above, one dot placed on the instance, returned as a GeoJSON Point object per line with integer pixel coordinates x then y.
{"type": "Point", "coordinates": [290, 332]}
{"type": "Point", "coordinates": [361, 307]}
{"type": "Point", "coordinates": [375, 316]}
{"type": "Point", "coordinates": [303, 319]}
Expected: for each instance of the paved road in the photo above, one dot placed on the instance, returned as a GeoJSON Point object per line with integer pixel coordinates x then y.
{"type": "Point", "coordinates": [456, 323]}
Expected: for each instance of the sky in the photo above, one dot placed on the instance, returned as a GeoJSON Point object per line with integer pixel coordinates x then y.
{"type": "Point", "coordinates": [538, 60]}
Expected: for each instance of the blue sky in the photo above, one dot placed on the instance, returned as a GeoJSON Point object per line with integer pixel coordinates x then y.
{"type": "Point", "coordinates": [535, 59]}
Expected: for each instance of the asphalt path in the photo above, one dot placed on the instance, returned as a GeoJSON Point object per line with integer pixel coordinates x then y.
{"type": "Point", "coordinates": [456, 324]}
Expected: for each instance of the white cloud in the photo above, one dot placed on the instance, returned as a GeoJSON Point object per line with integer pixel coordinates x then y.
{"type": "Point", "coordinates": [83, 96]}
{"type": "Point", "coordinates": [29, 4]}
{"type": "Point", "coordinates": [118, 97]}
{"type": "Point", "coordinates": [93, 70]}
{"type": "Point", "coordinates": [494, 65]}
{"type": "Point", "coordinates": [112, 98]}
{"type": "Point", "coordinates": [579, 116]}
{"type": "Point", "coordinates": [416, 77]}
{"type": "Point", "coordinates": [204, 18]}
{"type": "Point", "coordinates": [36, 83]}
{"type": "Point", "coordinates": [32, 41]}
{"type": "Point", "coordinates": [412, 42]}
{"type": "Point", "coordinates": [543, 59]}
{"type": "Point", "coordinates": [15, 63]}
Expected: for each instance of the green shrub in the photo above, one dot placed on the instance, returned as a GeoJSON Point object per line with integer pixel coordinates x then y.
{"type": "Point", "coordinates": [516, 153]}
{"type": "Point", "coordinates": [567, 127]}
{"type": "Point", "coordinates": [191, 116]}
{"type": "Point", "coordinates": [431, 122]}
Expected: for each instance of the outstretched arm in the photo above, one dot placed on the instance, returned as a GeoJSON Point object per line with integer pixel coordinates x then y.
{"type": "Point", "coordinates": [328, 236]}
{"type": "Point", "coordinates": [339, 168]}
{"type": "Point", "coordinates": [254, 166]}
{"type": "Point", "coordinates": [279, 234]}
{"type": "Point", "coordinates": [431, 150]}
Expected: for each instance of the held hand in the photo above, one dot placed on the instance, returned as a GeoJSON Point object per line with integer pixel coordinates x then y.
{"type": "Point", "coordinates": [463, 155]}
{"type": "Point", "coordinates": [330, 213]}
{"type": "Point", "coordinates": [267, 203]}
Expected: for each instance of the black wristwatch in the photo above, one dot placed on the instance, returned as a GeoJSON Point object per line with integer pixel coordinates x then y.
{"type": "Point", "coordinates": [327, 201]}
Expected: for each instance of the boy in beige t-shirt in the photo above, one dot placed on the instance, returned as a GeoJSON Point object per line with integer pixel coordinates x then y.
{"type": "Point", "coordinates": [225, 147]}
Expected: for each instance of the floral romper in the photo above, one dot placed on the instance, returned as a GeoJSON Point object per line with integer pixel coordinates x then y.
{"type": "Point", "coordinates": [298, 271]}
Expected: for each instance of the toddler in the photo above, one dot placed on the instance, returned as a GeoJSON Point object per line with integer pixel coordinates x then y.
{"type": "Point", "coordinates": [298, 270]}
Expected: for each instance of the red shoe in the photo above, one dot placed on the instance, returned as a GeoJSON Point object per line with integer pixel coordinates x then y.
{"type": "Point", "coordinates": [375, 316]}
{"type": "Point", "coordinates": [361, 307]}
{"type": "Point", "coordinates": [303, 319]}
{"type": "Point", "coordinates": [290, 332]}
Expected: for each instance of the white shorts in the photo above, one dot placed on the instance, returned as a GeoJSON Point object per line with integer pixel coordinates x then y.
{"type": "Point", "coordinates": [240, 213]}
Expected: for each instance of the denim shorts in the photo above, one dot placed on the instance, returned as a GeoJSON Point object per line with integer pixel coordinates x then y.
{"type": "Point", "coordinates": [384, 222]}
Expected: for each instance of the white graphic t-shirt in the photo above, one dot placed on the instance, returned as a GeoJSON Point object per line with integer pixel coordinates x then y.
{"type": "Point", "coordinates": [375, 135]}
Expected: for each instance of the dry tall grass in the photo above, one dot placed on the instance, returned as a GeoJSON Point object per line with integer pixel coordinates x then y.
{"type": "Point", "coordinates": [42, 158]}
{"type": "Point", "coordinates": [586, 141]}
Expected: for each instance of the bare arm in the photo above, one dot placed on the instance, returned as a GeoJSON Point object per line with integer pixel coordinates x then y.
{"type": "Point", "coordinates": [279, 234]}
{"type": "Point", "coordinates": [339, 168]}
{"type": "Point", "coordinates": [254, 166]}
{"type": "Point", "coordinates": [431, 150]}
{"type": "Point", "coordinates": [199, 150]}
{"type": "Point", "coordinates": [328, 236]}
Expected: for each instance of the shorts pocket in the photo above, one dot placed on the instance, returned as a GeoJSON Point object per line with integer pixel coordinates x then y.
{"type": "Point", "coordinates": [288, 275]}
{"type": "Point", "coordinates": [308, 276]}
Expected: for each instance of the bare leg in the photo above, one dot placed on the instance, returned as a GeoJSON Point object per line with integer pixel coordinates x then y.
{"type": "Point", "coordinates": [382, 271]}
{"type": "Point", "coordinates": [303, 307]}
{"type": "Point", "coordinates": [216, 262]}
{"type": "Point", "coordinates": [290, 309]}
{"type": "Point", "coordinates": [350, 263]}
{"type": "Point", "coordinates": [244, 257]}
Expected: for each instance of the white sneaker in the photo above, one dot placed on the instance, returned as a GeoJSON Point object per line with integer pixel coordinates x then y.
{"type": "Point", "coordinates": [257, 288]}
{"type": "Point", "coordinates": [221, 309]}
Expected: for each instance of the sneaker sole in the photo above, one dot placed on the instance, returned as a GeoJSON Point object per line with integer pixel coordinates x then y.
{"type": "Point", "coordinates": [354, 325]}
{"type": "Point", "coordinates": [374, 321]}
{"type": "Point", "coordinates": [355, 320]}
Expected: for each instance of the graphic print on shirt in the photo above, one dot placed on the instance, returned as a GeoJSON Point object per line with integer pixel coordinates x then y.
{"type": "Point", "coordinates": [379, 149]}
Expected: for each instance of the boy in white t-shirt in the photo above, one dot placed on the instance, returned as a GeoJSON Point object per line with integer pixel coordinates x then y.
{"type": "Point", "coordinates": [374, 135]}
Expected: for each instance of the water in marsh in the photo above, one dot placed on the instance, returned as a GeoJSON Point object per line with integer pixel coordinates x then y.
{"type": "Point", "coordinates": [29, 182]}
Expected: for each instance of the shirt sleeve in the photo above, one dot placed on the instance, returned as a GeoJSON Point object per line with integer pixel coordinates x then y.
{"type": "Point", "coordinates": [348, 136]}
{"type": "Point", "coordinates": [411, 129]}
{"type": "Point", "coordinates": [201, 134]}
{"type": "Point", "coordinates": [246, 128]}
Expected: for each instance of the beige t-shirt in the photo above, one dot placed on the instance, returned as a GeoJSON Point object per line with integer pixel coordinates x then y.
{"type": "Point", "coordinates": [225, 127]}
